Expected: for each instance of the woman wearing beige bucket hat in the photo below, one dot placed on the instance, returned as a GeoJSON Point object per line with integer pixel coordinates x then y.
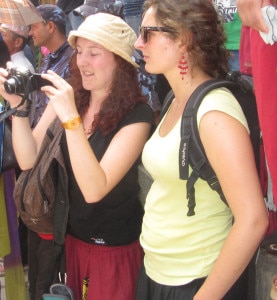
{"type": "Point", "coordinates": [107, 122]}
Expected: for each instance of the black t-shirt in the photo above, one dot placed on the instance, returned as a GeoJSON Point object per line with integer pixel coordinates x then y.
{"type": "Point", "coordinates": [116, 219]}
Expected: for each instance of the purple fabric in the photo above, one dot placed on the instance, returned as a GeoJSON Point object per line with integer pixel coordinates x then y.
{"type": "Point", "coordinates": [14, 275]}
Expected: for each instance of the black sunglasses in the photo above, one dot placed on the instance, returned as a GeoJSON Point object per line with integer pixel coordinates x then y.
{"type": "Point", "coordinates": [143, 31]}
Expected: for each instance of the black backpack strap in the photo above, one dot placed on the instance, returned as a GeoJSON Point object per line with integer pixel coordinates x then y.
{"type": "Point", "coordinates": [191, 152]}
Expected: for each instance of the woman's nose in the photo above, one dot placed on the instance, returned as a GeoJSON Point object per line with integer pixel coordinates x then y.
{"type": "Point", "coordinates": [139, 43]}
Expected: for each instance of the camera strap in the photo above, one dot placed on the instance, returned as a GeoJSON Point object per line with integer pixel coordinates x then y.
{"type": "Point", "coordinates": [14, 111]}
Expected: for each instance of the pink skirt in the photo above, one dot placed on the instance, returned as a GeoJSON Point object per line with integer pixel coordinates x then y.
{"type": "Point", "coordinates": [102, 272]}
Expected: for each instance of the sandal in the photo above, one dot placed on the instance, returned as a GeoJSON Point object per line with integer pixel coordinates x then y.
{"type": "Point", "coordinates": [273, 291]}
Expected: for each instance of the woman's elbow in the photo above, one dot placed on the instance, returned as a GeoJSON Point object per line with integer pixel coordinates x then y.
{"type": "Point", "coordinates": [24, 166]}
{"type": "Point", "coordinates": [93, 197]}
{"type": "Point", "coordinates": [260, 224]}
{"type": "Point", "coordinates": [254, 221]}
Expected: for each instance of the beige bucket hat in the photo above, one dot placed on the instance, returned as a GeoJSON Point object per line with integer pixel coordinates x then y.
{"type": "Point", "coordinates": [110, 31]}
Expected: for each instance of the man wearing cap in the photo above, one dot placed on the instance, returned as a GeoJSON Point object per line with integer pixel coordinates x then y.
{"type": "Point", "coordinates": [51, 34]}
{"type": "Point", "coordinates": [16, 37]}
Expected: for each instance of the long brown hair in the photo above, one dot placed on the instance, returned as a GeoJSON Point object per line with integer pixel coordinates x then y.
{"type": "Point", "coordinates": [125, 94]}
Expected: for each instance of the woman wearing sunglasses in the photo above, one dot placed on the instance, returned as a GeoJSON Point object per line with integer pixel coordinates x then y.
{"type": "Point", "coordinates": [197, 257]}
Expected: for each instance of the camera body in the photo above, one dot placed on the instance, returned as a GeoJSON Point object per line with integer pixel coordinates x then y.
{"type": "Point", "coordinates": [23, 81]}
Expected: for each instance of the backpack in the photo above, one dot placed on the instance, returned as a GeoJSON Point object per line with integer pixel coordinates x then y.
{"type": "Point", "coordinates": [191, 151]}
{"type": "Point", "coordinates": [41, 193]}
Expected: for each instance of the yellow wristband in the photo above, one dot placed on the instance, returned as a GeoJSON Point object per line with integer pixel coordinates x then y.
{"type": "Point", "coordinates": [72, 123]}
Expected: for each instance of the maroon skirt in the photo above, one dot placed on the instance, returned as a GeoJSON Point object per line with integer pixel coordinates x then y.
{"type": "Point", "coordinates": [97, 272]}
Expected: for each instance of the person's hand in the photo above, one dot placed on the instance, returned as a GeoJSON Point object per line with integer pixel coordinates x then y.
{"type": "Point", "coordinates": [270, 18]}
{"type": "Point", "coordinates": [61, 96]}
{"type": "Point", "coordinates": [13, 99]}
{"type": "Point", "coordinates": [251, 14]}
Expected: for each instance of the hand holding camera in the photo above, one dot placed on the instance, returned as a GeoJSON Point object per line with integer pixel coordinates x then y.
{"type": "Point", "coordinates": [22, 81]}
{"type": "Point", "coordinates": [17, 84]}
{"type": "Point", "coordinates": [13, 99]}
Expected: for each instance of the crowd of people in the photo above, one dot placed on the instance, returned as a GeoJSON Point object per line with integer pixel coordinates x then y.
{"type": "Point", "coordinates": [116, 247]}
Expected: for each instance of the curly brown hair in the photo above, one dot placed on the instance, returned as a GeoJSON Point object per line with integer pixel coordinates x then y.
{"type": "Point", "coordinates": [200, 24]}
{"type": "Point", "coordinates": [125, 94]}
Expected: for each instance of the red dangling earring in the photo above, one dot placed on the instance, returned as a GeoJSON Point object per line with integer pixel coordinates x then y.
{"type": "Point", "coordinates": [183, 66]}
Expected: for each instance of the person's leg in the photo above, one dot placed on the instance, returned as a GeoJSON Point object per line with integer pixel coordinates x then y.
{"type": "Point", "coordinates": [23, 238]}
{"type": "Point", "coordinates": [143, 285]}
{"type": "Point", "coordinates": [77, 255]}
{"type": "Point", "coordinates": [33, 244]}
{"type": "Point", "coordinates": [72, 22]}
{"type": "Point", "coordinates": [48, 257]}
{"type": "Point", "coordinates": [107, 263]}
{"type": "Point", "coordinates": [67, 25]}
{"type": "Point", "coordinates": [132, 12]}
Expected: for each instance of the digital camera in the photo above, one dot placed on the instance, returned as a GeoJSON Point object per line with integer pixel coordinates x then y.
{"type": "Point", "coordinates": [23, 81]}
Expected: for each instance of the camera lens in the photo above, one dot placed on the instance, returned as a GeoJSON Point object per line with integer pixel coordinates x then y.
{"type": "Point", "coordinates": [13, 85]}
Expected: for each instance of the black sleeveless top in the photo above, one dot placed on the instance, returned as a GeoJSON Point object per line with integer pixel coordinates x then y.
{"type": "Point", "coordinates": [116, 219]}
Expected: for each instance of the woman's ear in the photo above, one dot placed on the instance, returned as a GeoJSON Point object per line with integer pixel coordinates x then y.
{"type": "Point", "coordinates": [185, 41]}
